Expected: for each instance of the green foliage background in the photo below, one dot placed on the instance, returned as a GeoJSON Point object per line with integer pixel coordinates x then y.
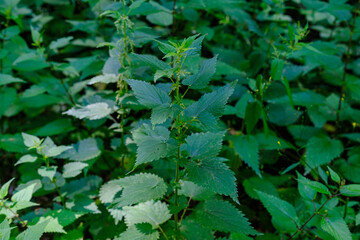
{"type": "Point", "coordinates": [114, 123]}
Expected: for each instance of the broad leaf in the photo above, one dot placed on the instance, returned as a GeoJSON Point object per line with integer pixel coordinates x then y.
{"type": "Point", "coordinates": [336, 227]}
{"type": "Point", "coordinates": [248, 149]}
{"type": "Point", "coordinates": [202, 78]}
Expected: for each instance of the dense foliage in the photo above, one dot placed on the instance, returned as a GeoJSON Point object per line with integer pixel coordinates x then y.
{"type": "Point", "coordinates": [179, 119]}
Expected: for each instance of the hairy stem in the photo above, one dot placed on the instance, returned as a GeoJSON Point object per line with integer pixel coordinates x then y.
{"type": "Point", "coordinates": [14, 213]}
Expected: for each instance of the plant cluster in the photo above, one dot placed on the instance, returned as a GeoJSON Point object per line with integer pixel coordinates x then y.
{"type": "Point", "coordinates": [179, 119]}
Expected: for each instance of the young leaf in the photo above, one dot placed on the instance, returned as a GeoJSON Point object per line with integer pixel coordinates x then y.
{"type": "Point", "coordinates": [202, 78]}
{"type": "Point", "coordinates": [30, 140]}
{"type": "Point", "coordinates": [215, 175]}
{"type": "Point", "coordinates": [334, 176]}
{"type": "Point", "coordinates": [322, 150]}
{"type": "Point", "coordinates": [5, 188]}
{"type": "Point", "coordinates": [222, 216]}
{"type": "Point", "coordinates": [252, 115]}
{"type": "Point", "coordinates": [155, 213]}
{"type": "Point", "coordinates": [151, 61]}
{"type": "Point", "coordinates": [248, 149]}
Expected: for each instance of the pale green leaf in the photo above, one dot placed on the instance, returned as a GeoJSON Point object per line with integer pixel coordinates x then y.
{"type": "Point", "coordinates": [132, 233]}
{"type": "Point", "coordinates": [73, 169]}
{"type": "Point", "coordinates": [7, 79]}
{"type": "Point", "coordinates": [28, 158]}
{"type": "Point", "coordinates": [47, 172]}
{"type": "Point", "coordinates": [24, 194]}
{"type": "Point", "coordinates": [33, 232]}
{"type": "Point", "coordinates": [92, 111]}
{"type": "Point", "coordinates": [30, 140]}
{"type": "Point", "coordinates": [106, 78]}
{"type": "Point", "coordinates": [194, 191]}
{"type": "Point", "coordinates": [84, 150]}
{"type": "Point", "coordinates": [5, 188]}
{"type": "Point", "coordinates": [155, 213]}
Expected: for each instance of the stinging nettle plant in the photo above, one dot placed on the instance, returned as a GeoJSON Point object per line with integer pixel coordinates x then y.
{"type": "Point", "coordinates": [188, 137]}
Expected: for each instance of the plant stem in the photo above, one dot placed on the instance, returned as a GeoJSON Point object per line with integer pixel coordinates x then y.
{"type": "Point", "coordinates": [312, 216]}
{"type": "Point", "coordinates": [67, 92]}
{"type": "Point", "coordinates": [162, 231]}
{"type": "Point", "coordinates": [183, 214]}
{"type": "Point", "coordinates": [15, 214]}
{"type": "Point", "coordinates": [346, 207]}
{"type": "Point", "coordinates": [352, 28]}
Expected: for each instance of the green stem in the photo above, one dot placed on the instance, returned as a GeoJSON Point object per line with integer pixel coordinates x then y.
{"type": "Point", "coordinates": [14, 213]}
{"type": "Point", "coordinates": [162, 231]}
{"type": "Point", "coordinates": [62, 199]}
{"type": "Point", "coordinates": [183, 214]}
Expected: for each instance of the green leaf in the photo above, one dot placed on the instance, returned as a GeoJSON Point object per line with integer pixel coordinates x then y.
{"type": "Point", "coordinates": [7, 98]}
{"type": "Point", "coordinates": [84, 150]}
{"type": "Point", "coordinates": [322, 150]}
{"type": "Point", "coordinates": [336, 227]}
{"type": "Point", "coordinates": [334, 176]}
{"type": "Point", "coordinates": [152, 143]}
{"type": "Point", "coordinates": [194, 191]}
{"type": "Point", "coordinates": [60, 43]}
{"type": "Point", "coordinates": [191, 229]}
{"type": "Point", "coordinates": [132, 233]}
{"type": "Point", "coordinates": [351, 190]}
{"type": "Point", "coordinates": [201, 146]}
{"type": "Point", "coordinates": [8, 79]}
{"type": "Point", "coordinates": [316, 186]}
{"type": "Point", "coordinates": [33, 232]}
{"type": "Point", "coordinates": [5, 188]}
{"type": "Point", "coordinates": [211, 105]}
{"type": "Point", "coordinates": [5, 230]}
{"type": "Point", "coordinates": [47, 172]}
{"type": "Point", "coordinates": [165, 48]}
{"type": "Point", "coordinates": [277, 67]}
{"type": "Point", "coordinates": [248, 149]}
{"type": "Point", "coordinates": [149, 95]}
{"type": "Point", "coordinates": [160, 73]}
{"type": "Point", "coordinates": [136, 4]}
{"type": "Point", "coordinates": [195, 47]}
{"type": "Point", "coordinates": [202, 78]}
{"type": "Point", "coordinates": [49, 149]}
{"type": "Point", "coordinates": [138, 188]}
{"type": "Point", "coordinates": [92, 111]}
{"type": "Point", "coordinates": [252, 115]}
{"type": "Point", "coordinates": [160, 18]}
{"type": "Point", "coordinates": [24, 194]}
{"type": "Point", "coordinates": [151, 61]}
{"type": "Point", "coordinates": [213, 174]}
{"type": "Point", "coordinates": [283, 213]}
{"type": "Point", "coordinates": [155, 213]}
{"type": "Point", "coordinates": [30, 140]}
{"type": "Point", "coordinates": [73, 169]}
{"type": "Point", "coordinates": [106, 78]}
{"type": "Point", "coordinates": [53, 225]}
{"type": "Point", "coordinates": [222, 216]}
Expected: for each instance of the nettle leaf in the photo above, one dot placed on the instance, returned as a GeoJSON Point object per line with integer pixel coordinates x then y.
{"type": "Point", "coordinates": [53, 225]}
{"type": "Point", "coordinates": [47, 172]}
{"type": "Point", "coordinates": [351, 190]}
{"type": "Point", "coordinates": [202, 78]}
{"type": "Point", "coordinates": [165, 48]}
{"type": "Point", "coordinates": [223, 216]}
{"type": "Point", "coordinates": [283, 213]}
{"type": "Point", "coordinates": [149, 95]}
{"type": "Point", "coordinates": [7, 98]}
{"type": "Point", "coordinates": [84, 150]}
{"type": "Point", "coordinates": [155, 213]}
{"type": "Point", "coordinates": [28, 158]}
{"type": "Point", "coordinates": [161, 73]}
{"type": "Point", "coordinates": [203, 145]}
{"type": "Point", "coordinates": [336, 227]}
{"type": "Point", "coordinates": [24, 194]}
{"type": "Point", "coordinates": [7, 79]}
{"type": "Point", "coordinates": [153, 144]}
{"type": "Point", "coordinates": [60, 43]}
{"type": "Point", "coordinates": [5, 188]}
{"type": "Point", "coordinates": [132, 233]}
{"type": "Point", "coordinates": [92, 111]}
{"type": "Point", "coordinates": [5, 230]}
{"type": "Point", "coordinates": [211, 105]}
{"type": "Point", "coordinates": [195, 47]}
{"type": "Point", "coordinates": [215, 175]}
{"type": "Point", "coordinates": [252, 115]}
{"type": "Point", "coordinates": [49, 149]}
{"type": "Point", "coordinates": [33, 232]}
{"type": "Point", "coordinates": [151, 61]}
{"type": "Point", "coordinates": [322, 150]}
{"type": "Point", "coordinates": [194, 191]}
{"type": "Point", "coordinates": [106, 78]}
{"type": "Point", "coordinates": [334, 176]}
{"type": "Point", "coordinates": [316, 186]}
{"type": "Point", "coordinates": [30, 140]}
{"type": "Point", "coordinates": [73, 169]}
{"type": "Point", "coordinates": [138, 188]}
{"type": "Point", "coordinates": [248, 149]}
